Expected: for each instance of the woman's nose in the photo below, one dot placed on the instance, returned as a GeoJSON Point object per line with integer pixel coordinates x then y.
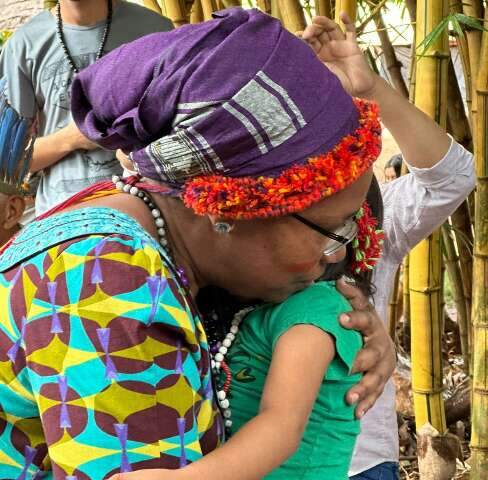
{"type": "Point", "coordinates": [335, 257]}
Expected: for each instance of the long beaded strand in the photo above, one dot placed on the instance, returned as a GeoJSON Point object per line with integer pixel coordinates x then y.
{"type": "Point", "coordinates": [62, 41]}
{"type": "Point", "coordinates": [218, 352]}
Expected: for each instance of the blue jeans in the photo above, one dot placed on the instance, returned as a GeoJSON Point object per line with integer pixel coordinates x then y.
{"type": "Point", "coordinates": [383, 471]}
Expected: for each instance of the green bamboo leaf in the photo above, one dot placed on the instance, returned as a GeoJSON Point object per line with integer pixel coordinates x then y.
{"type": "Point", "coordinates": [469, 21]}
{"type": "Point", "coordinates": [456, 26]}
{"type": "Point", "coordinates": [433, 36]}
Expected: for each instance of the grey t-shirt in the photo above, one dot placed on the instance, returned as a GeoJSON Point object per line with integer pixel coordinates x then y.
{"type": "Point", "coordinates": [38, 81]}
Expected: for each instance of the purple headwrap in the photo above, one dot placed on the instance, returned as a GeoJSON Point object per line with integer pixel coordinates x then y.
{"type": "Point", "coordinates": [238, 97]}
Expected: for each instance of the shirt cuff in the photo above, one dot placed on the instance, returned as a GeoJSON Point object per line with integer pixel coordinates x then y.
{"type": "Point", "coordinates": [450, 165]}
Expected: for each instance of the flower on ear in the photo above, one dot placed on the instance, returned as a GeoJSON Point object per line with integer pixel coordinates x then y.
{"type": "Point", "coordinates": [368, 244]}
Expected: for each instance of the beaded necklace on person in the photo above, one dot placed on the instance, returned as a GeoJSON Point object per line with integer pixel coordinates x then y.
{"type": "Point", "coordinates": [62, 41]}
{"type": "Point", "coordinates": [218, 349]}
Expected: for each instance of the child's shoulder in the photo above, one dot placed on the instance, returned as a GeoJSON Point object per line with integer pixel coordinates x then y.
{"type": "Point", "coordinates": [321, 297]}
{"type": "Point", "coordinates": [319, 304]}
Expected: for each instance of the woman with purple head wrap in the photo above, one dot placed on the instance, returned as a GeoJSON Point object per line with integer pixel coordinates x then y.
{"type": "Point", "coordinates": [253, 166]}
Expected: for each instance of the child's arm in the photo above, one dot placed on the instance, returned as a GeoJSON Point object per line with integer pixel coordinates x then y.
{"type": "Point", "coordinates": [298, 366]}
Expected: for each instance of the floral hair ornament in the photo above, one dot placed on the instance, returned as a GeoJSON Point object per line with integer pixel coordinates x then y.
{"type": "Point", "coordinates": [368, 244]}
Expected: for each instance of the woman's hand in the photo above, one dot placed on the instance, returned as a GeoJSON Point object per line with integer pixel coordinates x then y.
{"type": "Point", "coordinates": [377, 358]}
{"type": "Point", "coordinates": [341, 53]}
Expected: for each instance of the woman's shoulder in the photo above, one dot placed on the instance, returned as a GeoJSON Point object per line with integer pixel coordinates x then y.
{"type": "Point", "coordinates": [82, 234]}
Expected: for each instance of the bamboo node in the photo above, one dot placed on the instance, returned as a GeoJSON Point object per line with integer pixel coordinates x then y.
{"type": "Point", "coordinates": [426, 290]}
{"type": "Point", "coordinates": [480, 391]}
{"type": "Point", "coordinates": [432, 391]}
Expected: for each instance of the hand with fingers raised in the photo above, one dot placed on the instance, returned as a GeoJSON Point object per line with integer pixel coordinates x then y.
{"type": "Point", "coordinates": [377, 358]}
{"type": "Point", "coordinates": [340, 52]}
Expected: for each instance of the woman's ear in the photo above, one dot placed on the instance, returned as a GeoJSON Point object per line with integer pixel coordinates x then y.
{"type": "Point", "coordinates": [14, 209]}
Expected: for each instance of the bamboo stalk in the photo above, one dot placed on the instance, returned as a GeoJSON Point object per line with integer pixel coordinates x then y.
{"type": "Point", "coordinates": [196, 12]}
{"type": "Point", "coordinates": [462, 44]}
{"type": "Point", "coordinates": [347, 6]}
{"type": "Point", "coordinates": [229, 4]}
{"type": "Point", "coordinates": [392, 64]}
{"type": "Point", "coordinates": [208, 7]}
{"type": "Point", "coordinates": [264, 6]}
{"type": "Point", "coordinates": [393, 313]}
{"type": "Point", "coordinates": [473, 8]}
{"type": "Point", "coordinates": [153, 5]}
{"type": "Point", "coordinates": [425, 259]}
{"type": "Point", "coordinates": [479, 423]}
{"type": "Point", "coordinates": [292, 15]}
{"type": "Point", "coordinates": [412, 10]}
{"type": "Point", "coordinates": [406, 304]}
{"type": "Point", "coordinates": [176, 12]}
{"type": "Point", "coordinates": [275, 9]}
{"type": "Point", "coordinates": [323, 8]}
{"type": "Point", "coordinates": [457, 121]}
{"type": "Point", "coordinates": [454, 272]}
{"type": "Point", "coordinates": [461, 222]}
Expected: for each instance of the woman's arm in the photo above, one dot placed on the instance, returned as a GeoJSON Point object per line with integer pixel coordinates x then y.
{"type": "Point", "coordinates": [265, 442]}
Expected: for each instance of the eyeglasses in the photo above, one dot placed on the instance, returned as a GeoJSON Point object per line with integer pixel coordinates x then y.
{"type": "Point", "coordinates": [340, 237]}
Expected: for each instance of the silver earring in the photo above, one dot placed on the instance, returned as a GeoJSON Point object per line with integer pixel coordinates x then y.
{"type": "Point", "coordinates": [223, 227]}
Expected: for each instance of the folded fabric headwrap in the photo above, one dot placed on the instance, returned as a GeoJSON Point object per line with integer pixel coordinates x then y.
{"type": "Point", "coordinates": [236, 114]}
{"type": "Point", "coordinates": [16, 145]}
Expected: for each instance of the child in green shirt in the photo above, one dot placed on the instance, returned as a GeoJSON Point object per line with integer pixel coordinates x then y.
{"type": "Point", "coordinates": [276, 347]}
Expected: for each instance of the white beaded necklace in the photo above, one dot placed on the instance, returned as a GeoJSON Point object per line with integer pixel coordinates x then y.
{"type": "Point", "coordinates": [217, 359]}
{"type": "Point", "coordinates": [218, 363]}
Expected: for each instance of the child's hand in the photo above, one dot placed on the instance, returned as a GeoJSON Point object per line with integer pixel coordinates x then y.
{"type": "Point", "coordinates": [341, 53]}
{"type": "Point", "coordinates": [151, 474]}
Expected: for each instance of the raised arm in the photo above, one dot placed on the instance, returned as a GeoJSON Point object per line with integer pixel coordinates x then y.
{"type": "Point", "coordinates": [422, 142]}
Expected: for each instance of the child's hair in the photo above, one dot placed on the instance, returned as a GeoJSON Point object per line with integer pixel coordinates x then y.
{"type": "Point", "coordinates": [395, 162]}
{"type": "Point", "coordinates": [362, 280]}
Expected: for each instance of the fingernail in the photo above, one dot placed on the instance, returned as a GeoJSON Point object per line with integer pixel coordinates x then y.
{"type": "Point", "coordinates": [349, 280]}
{"type": "Point", "coordinates": [361, 413]}
{"type": "Point", "coordinates": [354, 398]}
{"type": "Point", "coordinates": [345, 318]}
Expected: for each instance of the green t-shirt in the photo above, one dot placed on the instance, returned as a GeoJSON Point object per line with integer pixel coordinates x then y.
{"type": "Point", "coordinates": [326, 448]}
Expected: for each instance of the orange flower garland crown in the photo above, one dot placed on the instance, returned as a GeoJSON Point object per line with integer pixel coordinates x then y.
{"type": "Point", "coordinates": [297, 187]}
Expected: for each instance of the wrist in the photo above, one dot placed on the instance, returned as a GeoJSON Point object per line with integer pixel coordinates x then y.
{"type": "Point", "coordinates": [374, 92]}
{"type": "Point", "coordinates": [70, 140]}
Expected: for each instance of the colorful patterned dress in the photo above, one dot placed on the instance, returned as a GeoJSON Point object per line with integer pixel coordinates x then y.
{"type": "Point", "coordinates": [104, 364]}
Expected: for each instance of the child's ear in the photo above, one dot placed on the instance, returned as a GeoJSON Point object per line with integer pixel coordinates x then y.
{"type": "Point", "coordinates": [14, 209]}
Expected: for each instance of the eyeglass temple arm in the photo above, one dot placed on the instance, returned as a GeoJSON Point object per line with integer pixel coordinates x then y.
{"type": "Point", "coordinates": [323, 231]}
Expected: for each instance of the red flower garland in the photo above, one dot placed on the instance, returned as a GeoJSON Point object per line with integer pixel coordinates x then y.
{"type": "Point", "coordinates": [368, 243]}
{"type": "Point", "coordinates": [297, 187]}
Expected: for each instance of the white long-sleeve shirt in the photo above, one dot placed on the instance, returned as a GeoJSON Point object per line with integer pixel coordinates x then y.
{"type": "Point", "coordinates": [414, 206]}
